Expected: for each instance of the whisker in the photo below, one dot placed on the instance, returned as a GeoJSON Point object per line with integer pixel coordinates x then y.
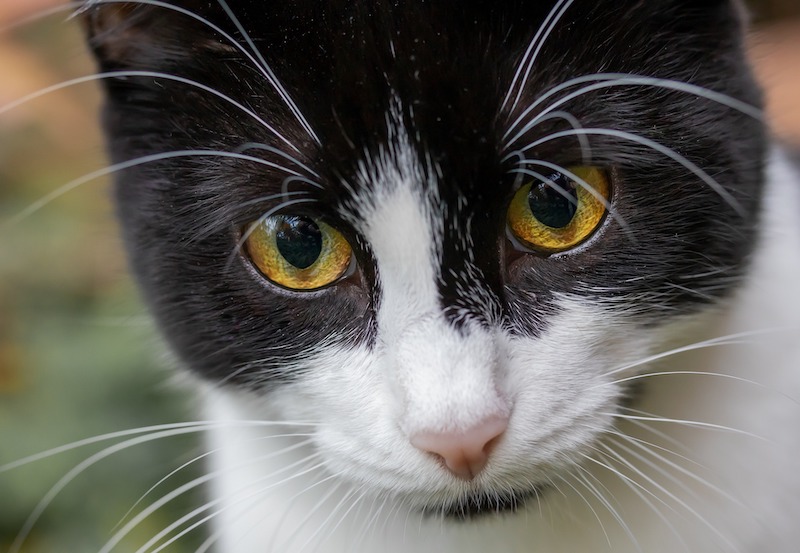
{"type": "Point", "coordinates": [213, 538]}
{"type": "Point", "coordinates": [191, 462]}
{"type": "Point", "coordinates": [106, 171]}
{"type": "Point", "coordinates": [656, 510]}
{"type": "Point", "coordinates": [271, 78]}
{"type": "Point", "coordinates": [675, 498]}
{"type": "Point", "coordinates": [697, 373]}
{"type": "Point", "coordinates": [586, 148]}
{"type": "Point", "coordinates": [48, 498]}
{"type": "Point", "coordinates": [263, 67]}
{"type": "Point", "coordinates": [38, 16]}
{"type": "Point", "coordinates": [197, 425]}
{"type": "Point", "coordinates": [650, 446]}
{"type": "Point", "coordinates": [690, 423]}
{"type": "Point", "coordinates": [729, 339]}
{"type": "Point", "coordinates": [589, 504]}
{"type": "Point", "coordinates": [253, 226]}
{"type": "Point", "coordinates": [308, 516]}
{"type": "Point", "coordinates": [266, 147]}
{"type": "Point", "coordinates": [607, 503]}
{"type": "Point", "coordinates": [674, 466]}
{"type": "Point", "coordinates": [624, 79]}
{"type": "Point", "coordinates": [214, 514]}
{"type": "Point", "coordinates": [154, 74]}
{"type": "Point", "coordinates": [324, 524]}
{"type": "Point", "coordinates": [542, 33]}
{"type": "Point", "coordinates": [586, 186]}
{"type": "Point", "coordinates": [652, 144]}
{"type": "Point", "coordinates": [200, 233]}
{"type": "Point", "coordinates": [193, 484]}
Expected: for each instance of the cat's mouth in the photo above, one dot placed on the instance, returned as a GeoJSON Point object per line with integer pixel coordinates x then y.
{"type": "Point", "coordinates": [484, 503]}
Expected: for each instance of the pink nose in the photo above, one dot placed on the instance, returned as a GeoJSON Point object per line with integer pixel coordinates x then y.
{"type": "Point", "coordinates": [466, 452]}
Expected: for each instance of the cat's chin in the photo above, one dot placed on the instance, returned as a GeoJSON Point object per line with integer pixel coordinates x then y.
{"type": "Point", "coordinates": [480, 504]}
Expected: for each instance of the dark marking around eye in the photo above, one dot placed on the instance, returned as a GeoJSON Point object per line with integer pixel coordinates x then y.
{"type": "Point", "coordinates": [549, 205]}
{"type": "Point", "coordinates": [299, 241]}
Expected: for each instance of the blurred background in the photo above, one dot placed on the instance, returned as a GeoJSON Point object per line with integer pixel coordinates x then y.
{"type": "Point", "coordinates": [78, 354]}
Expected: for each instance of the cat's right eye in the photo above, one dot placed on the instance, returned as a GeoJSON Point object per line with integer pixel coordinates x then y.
{"type": "Point", "coordinates": [298, 253]}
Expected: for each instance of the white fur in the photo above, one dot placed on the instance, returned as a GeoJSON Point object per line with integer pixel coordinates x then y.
{"type": "Point", "coordinates": [744, 496]}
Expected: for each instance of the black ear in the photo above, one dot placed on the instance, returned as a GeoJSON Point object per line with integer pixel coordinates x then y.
{"type": "Point", "coordinates": [130, 34]}
{"type": "Point", "coordinates": [115, 28]}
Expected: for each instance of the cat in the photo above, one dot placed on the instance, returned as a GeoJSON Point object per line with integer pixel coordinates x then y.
{"type": "Point", "coordinates": [465, 276]}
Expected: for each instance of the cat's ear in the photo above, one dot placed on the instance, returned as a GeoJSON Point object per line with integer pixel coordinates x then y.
{"type": "Point", "coordinates": [127, 34]}
{"type": "Point", "coordinates": [115, 29]}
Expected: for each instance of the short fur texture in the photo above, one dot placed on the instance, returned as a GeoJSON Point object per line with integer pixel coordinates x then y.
{"type": "Point", "coordinates": [409, 126]}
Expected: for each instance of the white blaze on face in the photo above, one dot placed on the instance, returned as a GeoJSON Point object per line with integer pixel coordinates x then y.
{"type": "Point", "coordinates": [445, 376]}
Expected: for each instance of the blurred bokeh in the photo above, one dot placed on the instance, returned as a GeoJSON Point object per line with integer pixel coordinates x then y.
{"type": "Point", "coordinates": [78, 354]}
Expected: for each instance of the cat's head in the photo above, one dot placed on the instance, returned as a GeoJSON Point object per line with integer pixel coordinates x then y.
{"type": "Point", "coordinates": [437, 229]}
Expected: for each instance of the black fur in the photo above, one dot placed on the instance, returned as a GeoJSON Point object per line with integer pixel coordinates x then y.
{"type": "Point", "coordinates": [450, 66]}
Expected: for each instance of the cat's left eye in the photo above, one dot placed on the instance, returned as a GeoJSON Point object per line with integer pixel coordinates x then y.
{"type": "Point", "coordinates": [298, 253]}
{"type": "Point", "coordinates": [559, 212]}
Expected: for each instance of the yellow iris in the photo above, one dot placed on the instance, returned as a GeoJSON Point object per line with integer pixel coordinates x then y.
{"type": "Point", "coordinates": [298, 253]}
{"type": "Point", "coordinates": [551, 220]}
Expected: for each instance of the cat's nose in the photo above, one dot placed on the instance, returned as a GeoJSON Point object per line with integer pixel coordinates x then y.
{"type": "Point", "coordinates": [465, 453]}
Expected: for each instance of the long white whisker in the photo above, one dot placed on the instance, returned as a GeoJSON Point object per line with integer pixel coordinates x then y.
{"type": "Point", "coordinates": [48, 498]}
{"type": "Point", "coordinates": [586, 147]}
{"type": "Point", "coordinates": [191, 462]}
{"type": "Point", "coordinates": [674, 497]}
{"type": "Point", "coordinates": [308, 515]}
{"type": "Point", "coordinates": [670, 153]}
{"type": "Point", "coordinates": [589, 504]}
{"type": "Point", "coordinates": [262, 67]}
{"type": "Point", "coordinates": [80, 181]}
{"type": "Point", "coordinates": [177, 492]}
{"type": "Point", "coordinates": [218, 534]}
{"type": "Point", "coordinates": [273, 80]}
{"type": "Point", "coordinates": [253, 226]}
{"type": "Point", "coordinates": [326, 522]}
{"type": "Point", "coordinates": [697, 373]}
{"type": "Point", "coordinates": [585, 185]}
{"type": "Point", "coordinates": [189, 516]}
{"type": "Point", "coordinates": [690, 423]}
{"type": "Point", "coordinates": [539, 39]}
{"type": "Point", "coordinates": [154, 74]}
{"type": "Point", "coordinates": [655, 509]}
{"type": "Point", "coordinates": [607, 504]}
{"type": "Point", "coordinates": [267, 148]}
{"type": "Point", "coordinates": [674, 466]}
{"type": "Point", "coordinates": [623, 79]}
{"type": "Point", "coordinates": [729, 339]}
{"type": "Point", "coordinates": [38, 16]}
{"type": "Point", "coordinates": [197, 425]}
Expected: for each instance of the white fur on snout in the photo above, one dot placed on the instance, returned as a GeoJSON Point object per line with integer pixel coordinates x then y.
{"type": "Point", "coordinates": [448, 378]}
{"type": "Point", "coordinates": [444, 378]}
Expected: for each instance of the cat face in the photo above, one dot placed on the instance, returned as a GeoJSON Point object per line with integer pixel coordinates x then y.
{"type": "Point", "coordinates": [488, 211]}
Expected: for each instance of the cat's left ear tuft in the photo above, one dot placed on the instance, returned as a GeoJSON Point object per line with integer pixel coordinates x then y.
{"type": "Point", "coordinates": [115, 30]}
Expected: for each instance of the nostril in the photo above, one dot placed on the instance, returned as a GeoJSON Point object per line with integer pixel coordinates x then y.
{"type": "Point", "coordinates": [465, 453]}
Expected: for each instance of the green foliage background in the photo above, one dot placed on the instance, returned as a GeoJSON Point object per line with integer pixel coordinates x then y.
{"type": "Point", "coordinates": [78, 354]}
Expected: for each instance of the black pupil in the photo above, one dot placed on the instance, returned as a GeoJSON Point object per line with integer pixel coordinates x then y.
{"type": "Point", "coordinates": [299, 240]}
{"type": "Point", "coordinates": [554, 206]}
